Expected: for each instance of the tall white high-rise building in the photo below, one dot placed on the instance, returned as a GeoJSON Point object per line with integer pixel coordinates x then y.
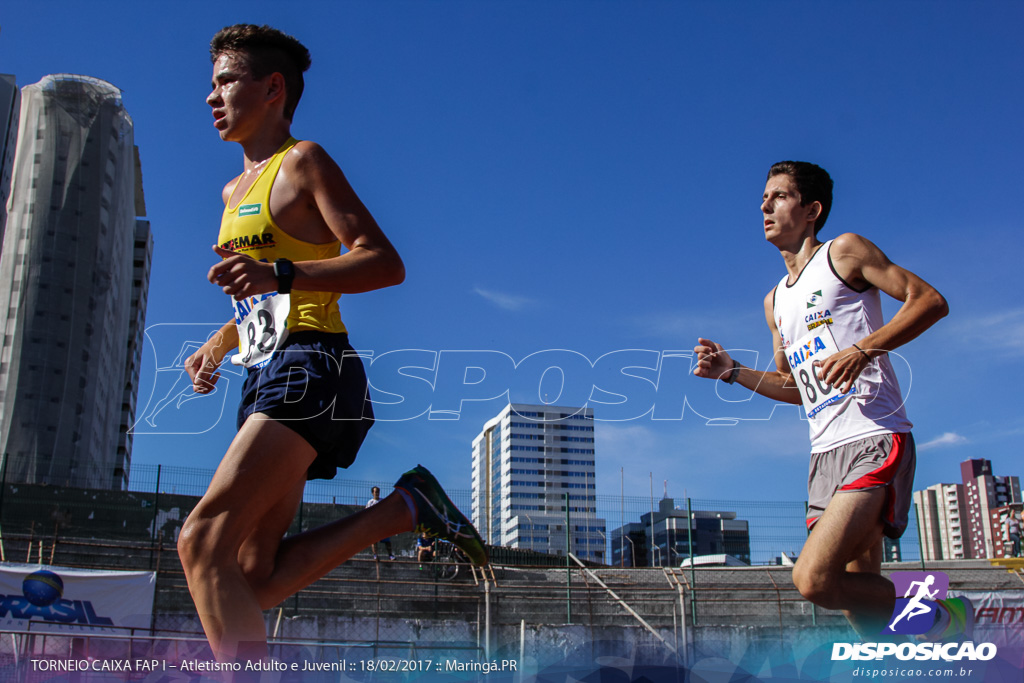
{"type": "Point", "coordinates": [528, 462]}
{"type": "Point", "coordinates": [942, 522]}
{"type": "Point", "coordinates": [72, 288]}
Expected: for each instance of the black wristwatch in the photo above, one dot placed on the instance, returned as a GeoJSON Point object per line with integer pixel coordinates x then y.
{"type": "Point", "coordinates": [734, 374]}
{"type": "Point", "coordinates": [284, 270]}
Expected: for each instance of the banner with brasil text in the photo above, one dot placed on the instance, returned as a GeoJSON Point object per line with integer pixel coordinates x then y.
{"type": "Point", "coordinates": [48, 598]}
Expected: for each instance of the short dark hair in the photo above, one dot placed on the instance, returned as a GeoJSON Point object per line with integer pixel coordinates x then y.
{"type": "Point", "coordinates": [812, 182]}
{"type": "Point", "coordinates": [266, 50]}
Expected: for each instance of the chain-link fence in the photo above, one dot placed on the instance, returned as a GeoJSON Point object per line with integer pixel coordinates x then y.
{"type": "Point", "coordinates": [543, 605]}
{"type": "Point", "coordinates": [637, 530]}
{"type": "Point", "coordinates": [536, 615]}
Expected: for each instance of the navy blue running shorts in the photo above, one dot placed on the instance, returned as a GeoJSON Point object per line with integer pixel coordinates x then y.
{"type": "Point", "coordinates": [316, 386]}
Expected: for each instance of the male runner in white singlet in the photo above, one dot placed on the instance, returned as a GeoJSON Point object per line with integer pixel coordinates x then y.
{"type": "Point", "coordinates": [830, 348]}
{"type": "Point", "coordinates": [305, 407]}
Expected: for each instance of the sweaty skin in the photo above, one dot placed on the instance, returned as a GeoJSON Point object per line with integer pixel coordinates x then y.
{"type": "Point", "coordinates": [232, 546]}
{"type": "Point", "coordinates": [840, 564]}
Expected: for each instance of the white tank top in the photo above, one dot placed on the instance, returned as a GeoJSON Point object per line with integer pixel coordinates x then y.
{"type": "Point", "coordinates": [820, 297]}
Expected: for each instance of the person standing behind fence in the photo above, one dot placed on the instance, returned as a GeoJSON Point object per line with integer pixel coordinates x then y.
{"type": "Point", "coordinates": [424, 549]}
{"type": "Point", "coordinates": [374, 499]}
{"type": "Point", "coordinates": [305, 408]}
{"type": "Point", "coordinates": [1011, 534]}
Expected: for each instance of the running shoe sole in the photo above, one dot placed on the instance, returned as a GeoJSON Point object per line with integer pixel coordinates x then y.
{"type": "Point", "coordinates": [438, 516]}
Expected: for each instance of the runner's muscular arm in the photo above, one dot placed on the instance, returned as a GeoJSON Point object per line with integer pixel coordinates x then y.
{"type": "Point", "coordinates": [202, 365]}
{"type": "Point", "coordinates": [370, 263]}
{"type": "Point", "coordinates": [860, 263]}
{"type": "Point", "coordinates": [714, 363]}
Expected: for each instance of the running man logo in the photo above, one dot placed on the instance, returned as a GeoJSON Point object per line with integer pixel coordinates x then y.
{"type": "Point", "coordinates": [915, 610]}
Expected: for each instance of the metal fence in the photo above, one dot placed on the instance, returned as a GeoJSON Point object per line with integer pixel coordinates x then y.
{"type": "Point", "coordinates": [160, 497]}
{"type": "Point", "coordinates": [537, 615]}
{"type": "Point", "coordinates": [373, 607]}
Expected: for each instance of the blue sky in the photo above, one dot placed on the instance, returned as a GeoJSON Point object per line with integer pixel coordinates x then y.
{"type": "Point", "coordinates": [567, 180]}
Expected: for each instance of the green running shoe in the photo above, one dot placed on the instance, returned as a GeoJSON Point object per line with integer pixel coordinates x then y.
{"type": "Point", "coordinates": [956, 623]}
{"type": "Point", "coordinates": [437, 515]}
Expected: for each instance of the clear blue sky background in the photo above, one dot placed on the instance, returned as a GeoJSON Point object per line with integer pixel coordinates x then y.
{"type": "Point", "coordinates": [586, 176]}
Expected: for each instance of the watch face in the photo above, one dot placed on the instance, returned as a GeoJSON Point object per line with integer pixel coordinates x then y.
{"type": "Point", "coordinates": [285, 272]}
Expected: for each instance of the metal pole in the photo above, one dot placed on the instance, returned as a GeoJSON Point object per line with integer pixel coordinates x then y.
{"type": "Point", "coordinates": [693, 575]}
{"type": "Point", "coordinates": [652, 520]}
{"type": "Point", "coordinates": [487, 619]}
{"type": "Point", "coordinates": [156, 513]}
{"type": "Point", "coordinates": [624, 605]}
{"type": "Point", "coordinates": [568, 569]}
{"type": "Point", "coordinates": [669, 546]}
{"type": "Point", "coordinates": [522, 647]}
{"type": "Point", "coordinates": [622, 517]}
{"type": "Point", "coordinates": [682, 622]}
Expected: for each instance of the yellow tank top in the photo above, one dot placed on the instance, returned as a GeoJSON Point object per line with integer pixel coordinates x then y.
{"type": "Point", "coordinates": [249, 229]}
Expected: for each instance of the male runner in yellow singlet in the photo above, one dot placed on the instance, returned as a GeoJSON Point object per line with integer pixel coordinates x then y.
{"type": "Point", "coordinates": [286, 218]}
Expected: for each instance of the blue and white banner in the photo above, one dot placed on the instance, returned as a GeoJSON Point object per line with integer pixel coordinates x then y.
{"type": "Point", "coordinates": [46, 598]}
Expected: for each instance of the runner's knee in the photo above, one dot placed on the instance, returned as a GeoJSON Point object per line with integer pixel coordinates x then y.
{"type": "Point", "coordinates": [816, 585]}
{"type": "Point", "coordinates": [198, 545]}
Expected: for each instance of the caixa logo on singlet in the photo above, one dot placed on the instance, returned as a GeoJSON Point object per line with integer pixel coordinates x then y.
{"type": "Point", "coordinates": [43, 598]}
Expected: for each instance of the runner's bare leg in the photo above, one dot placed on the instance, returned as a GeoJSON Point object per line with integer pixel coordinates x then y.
{"type": "Point", "coordinates": [277, 569]}
{"type": "Point", "coordinates": [253, 496]}
{"type": "Point", "coordinates": [840, 564]}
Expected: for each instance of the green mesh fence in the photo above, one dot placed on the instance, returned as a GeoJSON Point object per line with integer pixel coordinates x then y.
{"type": "Point", "coordinates": [638, 531]}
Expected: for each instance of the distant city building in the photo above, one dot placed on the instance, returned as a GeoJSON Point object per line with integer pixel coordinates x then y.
{"type": "Point", "coordinates": [10, 108]}
{"type": "Point", "coordinates": [74, 271]}
{"type": "Point", "coordinates": [142, 262]}
{"type": "Point", "coordinates": [526, 461]}
{"type": "Point", "coordinates": [997, 519]}
{"type": "Point", "coordinates": [956, 520]}
{"type": "Point", "coordinates": [985, 492]}
{"type": "Point", "coordinates": [942, 514]}
{"type": "Point", "coordinates": [891, 550]}
{"type": "Point", "coordinates": [663, 538]}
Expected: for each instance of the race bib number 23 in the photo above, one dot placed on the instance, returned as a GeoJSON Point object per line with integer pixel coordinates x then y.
{"type": "Point", "coordinates": [261, 323]}
{"type": "Point", "coordinates": [814, 392]}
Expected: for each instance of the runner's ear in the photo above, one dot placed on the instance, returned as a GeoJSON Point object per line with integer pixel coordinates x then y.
{"type": "Point", "coordinates": [275, 88]}
{"type": "Point", "coordinates": [814, 210]}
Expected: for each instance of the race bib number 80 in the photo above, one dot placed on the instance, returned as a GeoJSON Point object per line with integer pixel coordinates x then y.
{"type": "Point", "coordinates": [814, 392]}
{"type": "Point", "coordinates": [261, 323]}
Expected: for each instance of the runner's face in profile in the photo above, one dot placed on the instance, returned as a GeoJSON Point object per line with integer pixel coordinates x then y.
{"type": "Point", "coordinates": [784, 218]}
{"type": "Point", "coordinates": [235, 96]}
